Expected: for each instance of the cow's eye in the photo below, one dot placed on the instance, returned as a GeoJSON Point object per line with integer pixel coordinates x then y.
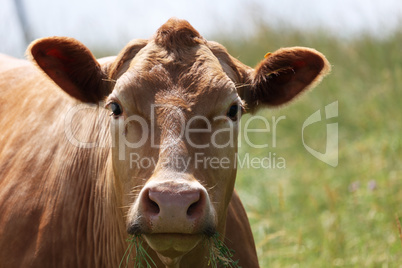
{"type": "Point", "coordinates": [234, 112]}
{"type": "Point", "coordinates": [115, 108]}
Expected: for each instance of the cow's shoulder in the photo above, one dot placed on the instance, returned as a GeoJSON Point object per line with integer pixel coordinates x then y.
{"type": "Point", "coordinates": [239, 237]}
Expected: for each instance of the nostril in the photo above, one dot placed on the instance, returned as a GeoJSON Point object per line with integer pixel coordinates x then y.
{"type": "Point", "coordinates": [153, 207]}
{"type": "Point", "coordinates": [193, 209]}
{"type": "Point", "coordinates": [150, 205]}
{"type": "Point", "coordinates": [196, 208]}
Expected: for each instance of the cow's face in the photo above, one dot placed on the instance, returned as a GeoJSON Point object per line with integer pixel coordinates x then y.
{"type": "Point", "coordinates": [175, 102]}
{"type": "Point", "coordinates": [175, 119]}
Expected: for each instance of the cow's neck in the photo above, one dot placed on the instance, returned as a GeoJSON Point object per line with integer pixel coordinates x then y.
{"type": "Point", "coordinates": [110, 239]}
{"type": "Point", "coordinates": [100, 217]}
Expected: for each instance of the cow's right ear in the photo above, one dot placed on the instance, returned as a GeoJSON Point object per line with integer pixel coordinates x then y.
{"type": "Point", "coordinates": [72, 67]}
{"type": "Point", "coordinates": [282, 76]}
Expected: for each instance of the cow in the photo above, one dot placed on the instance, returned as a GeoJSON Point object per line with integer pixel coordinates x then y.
{"type": "Point", "coordinates": [96, 152]}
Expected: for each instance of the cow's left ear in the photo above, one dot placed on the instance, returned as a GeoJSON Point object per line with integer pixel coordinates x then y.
{"type": "Point", "coordinates": [282, 75]}
{"type": "Point", "coordinates": [72, 67]}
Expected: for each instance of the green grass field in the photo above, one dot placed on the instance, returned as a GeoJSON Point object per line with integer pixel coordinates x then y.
{"type": "Point", "coordinates": [310, 214]}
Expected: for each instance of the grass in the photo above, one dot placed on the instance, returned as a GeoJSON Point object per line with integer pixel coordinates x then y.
{"type": "Point", "coordinates": [310, 214]}
{"type": "Point", "coordinates": [219, 254]}
{"type": "Point", "coordinates": [141, 258]}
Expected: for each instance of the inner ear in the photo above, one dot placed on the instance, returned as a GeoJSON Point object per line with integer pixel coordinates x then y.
{"type": "Point", "coordinates": [284, 74]}
{"type": "Point", "coordinates": [72, 67]}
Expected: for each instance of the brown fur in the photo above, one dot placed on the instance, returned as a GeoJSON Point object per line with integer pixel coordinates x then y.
{"type": "Point", "coordinates": [65, 65]}
{"type": "Point", "coordinates": [66, 206]}
{"type": "Point", "coordinates": [55, 201]}
{"type": "Point", "coordinates": [177, 34]}
{"type": "Point", "coordinates": [284, 74]}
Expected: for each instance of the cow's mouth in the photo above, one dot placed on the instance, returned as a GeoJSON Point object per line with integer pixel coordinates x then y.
{"type": "Point", "coordinates": [172, 245]}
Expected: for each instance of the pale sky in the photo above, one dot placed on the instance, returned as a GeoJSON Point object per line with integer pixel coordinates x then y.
{"type": "Point", "coordinates": [112, 23]}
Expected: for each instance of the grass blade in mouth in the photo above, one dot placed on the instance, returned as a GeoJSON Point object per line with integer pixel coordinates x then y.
{"type": "Point", "coordinates": [219, 254]}
{"type": "Point", "coordinates": [141, 255]}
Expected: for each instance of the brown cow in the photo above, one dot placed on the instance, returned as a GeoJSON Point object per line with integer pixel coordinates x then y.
{"type": "Point", "coordinates": [76, 182]}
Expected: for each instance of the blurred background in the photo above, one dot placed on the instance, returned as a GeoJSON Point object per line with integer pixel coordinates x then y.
{"type": "Point", "coordinates": [106, 24]}
{"type": "Point", "coordinates": [308, 214]}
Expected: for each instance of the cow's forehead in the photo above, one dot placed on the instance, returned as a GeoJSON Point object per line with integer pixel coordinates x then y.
{"type": "Point", "coordinates": [188, 87]}
{"type": "Point", "coordinates": [187, 76]}
{"type": "Point", "coordinates": [195, 68]}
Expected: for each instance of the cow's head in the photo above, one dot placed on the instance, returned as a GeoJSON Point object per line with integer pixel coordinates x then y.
{"type": "Point", "coordinates": [175, 102]}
